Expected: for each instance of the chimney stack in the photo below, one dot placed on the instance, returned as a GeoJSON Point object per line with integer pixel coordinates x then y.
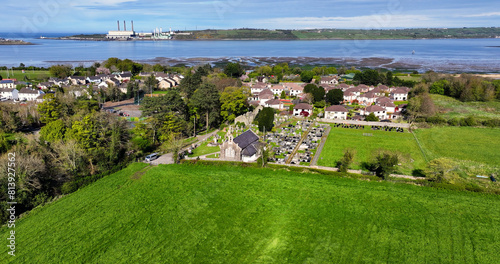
{"type": "Point", "coordinates": [132, 25]}
{"type": "Point", "coordinates": [118, 22]}
{"type": "Point", "coordinates": [124, 26]}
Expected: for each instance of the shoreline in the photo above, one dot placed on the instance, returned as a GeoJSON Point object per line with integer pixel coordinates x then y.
{"type": "Point", "coordinates": [393, 64]}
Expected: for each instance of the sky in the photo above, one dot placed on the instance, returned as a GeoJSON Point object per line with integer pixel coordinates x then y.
{"type": "Point", "coordinates": [99, 16]}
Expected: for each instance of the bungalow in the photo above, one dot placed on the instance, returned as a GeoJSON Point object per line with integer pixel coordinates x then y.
{"type": "Point", "coordinates": [262, 79]}
{"type": "Point", "coordinates": [26, 94]}
{"type": "Point", "coordinates": [7, 84]}
{"type": "Point", "coordinates": [77, 80]}
{"type": "Point", "coordinates": [167, 83]}
{"type": "Point", "coordinates": [94, 79]}
{"type": "Point", "coordinates": [336, 112]}
{"type": "Point", "coordinates": [303, 109]}
{"type": "Point", "coordinates": [9, 93]}
{"type": "Point", "coordinates": [378, 111]}
{"type": "Point", "coordinates": [332, 80]}
{"type": "Point", "coordinates": [400, 94]}
{"type": "Point", "coordinates": [124, 76]}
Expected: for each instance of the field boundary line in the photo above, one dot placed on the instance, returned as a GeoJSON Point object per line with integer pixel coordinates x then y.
{"type": "Point", "coordinates": [419, 146]}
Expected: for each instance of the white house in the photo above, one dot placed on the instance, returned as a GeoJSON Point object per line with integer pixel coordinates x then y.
{"type": "Point", "coordinates": [378, 111]}
{"type": "Point", "coordinates": [400, 94]}
{"type": "Point", "coordinates": [389, 106]}
{"type": "Point", "coordinates": [277, 89]}
{"type": "Point", "coordinates": [302, 108]}
{"type": "Point", "coordinates": [258, 87]}
{"type": "Point", "coordinates": [336, 112]}
{"type": "Point", "coordinates": [264, 96]}
{"type": "Point", "coordinates": [329, 80]}
{"type": "Point", "coordinates": [29, 94]}
{"type": "Point", "coordinates": [367, 98]}
{"type": "Point", "coordinates": [295, 89]}
{"type": "Point", "coordinates": [6, 84]}
{"type": "Point", "coordinates": [94, 79]}
{"type": "Point", "coordinates": [9, 93]}
{"type": "Point", "coordinates": [349, 97]}
{"type": "Point", "coordinates": [274, 103]}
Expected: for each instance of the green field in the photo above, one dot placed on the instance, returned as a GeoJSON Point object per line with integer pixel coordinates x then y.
{"type": "Point", "coordinates": [32, 75]}
{"type": "Point", "coordinates": [226, 214]}
{"type": "Point", "coordinates": [449, 107]}
{"type": "Point", "coordinates": [342, 138]}
{"type": "Point", "coordinates": [475, 146]}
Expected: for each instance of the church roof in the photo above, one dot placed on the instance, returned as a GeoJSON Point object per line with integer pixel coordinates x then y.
{"type": "Point", "coordinates": [246, 139]}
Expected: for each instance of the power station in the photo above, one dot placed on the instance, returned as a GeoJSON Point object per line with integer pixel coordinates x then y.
{"type": "Point", "coordinates": [122, 34]}
{"type": "Point", "coordinates": [157, 34]}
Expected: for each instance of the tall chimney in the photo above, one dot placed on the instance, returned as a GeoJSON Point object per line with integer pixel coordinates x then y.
{"type": "Point", "coordinates": [124, 26]}
{"type": "Point", "coordinates": [132, 25]}
{"type": "Point", "coordinates": [118, 22]}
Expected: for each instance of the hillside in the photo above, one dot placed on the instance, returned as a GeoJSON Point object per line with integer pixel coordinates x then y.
{"type": "Point", "coordinates": [206, 214]}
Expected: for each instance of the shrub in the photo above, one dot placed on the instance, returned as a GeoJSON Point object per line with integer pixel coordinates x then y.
{"type": "Point", "coordinates": [437, 120]}
{"type": "Point", "coordinates": [468, 121]}
{"type": "Point", "coordinates": [454, 122]}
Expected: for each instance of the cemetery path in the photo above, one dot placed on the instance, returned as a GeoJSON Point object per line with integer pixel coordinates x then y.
{"type": "Point", "coordinates": [320, 147]}
{"type": "Point", "coordinates": [298, 145]}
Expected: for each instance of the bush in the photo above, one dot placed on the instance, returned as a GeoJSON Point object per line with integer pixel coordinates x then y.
{"type": "Point", "coordinates": [69, 187]}
{"type": "Point", "coordinates": [419, 120]}
{"type": "Point", "coordinates": [454, 122]}
{"type": "Point", "coordinates": [491, 123]}
{"type": "Point", "coordinates": [437, 120]}
{"type": "Point", "coordinates": [468, 121]}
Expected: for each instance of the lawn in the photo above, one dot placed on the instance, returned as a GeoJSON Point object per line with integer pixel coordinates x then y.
{"type": "Point", "coordinates": [477, 145]}
{"type": "Point", "coordinates": [342, 138]}
{"type": "Point", "coordinates": [224, 214]}
{"type": "Point", "coordinates": [203, 149]}
{"type": "Point", "coordinates": [449, 107]}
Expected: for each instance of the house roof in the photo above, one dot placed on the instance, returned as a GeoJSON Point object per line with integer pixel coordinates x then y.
{"type": "Point", "coordinates": [303, 106]}
{"type": "Point", "coordinates": [381, 100]}
{"type": "Point", "coordinates": [273, 102]}
{"type": "Point", "coordinates": [400, 91]}
{"type": "Point", "coordinates": [28, 91]}
{"type": "Point", "coordinates": [336, 108]}
{"type": "Point", "coordinates": [266, 92]}
{"type": "Point", "coordinates": [246, 139]}
{"type": "Point", "coordinates": [6, 90]}
{"type": "Point", "coordinates": [374, 108]}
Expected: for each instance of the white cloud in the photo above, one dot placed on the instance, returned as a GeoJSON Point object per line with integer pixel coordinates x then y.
{"type": "Point", "coordinates": [483, 14]}
{"type": "Point", "coordinates": [365, 22]}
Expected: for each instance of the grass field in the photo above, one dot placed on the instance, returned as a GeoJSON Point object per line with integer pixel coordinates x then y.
{"type": "Point", "coordinates": [203, 149]}
{"type": "Point", "coordinates": [225, 214]}
{"type": "Point", "coordinates": [32, 75]}
{"type": "Point", "coordinates": [449, 107]}
{"type": "Point", "coordinates": [342, 138]}
{"type": "Point", "coordinates": [468, 144]}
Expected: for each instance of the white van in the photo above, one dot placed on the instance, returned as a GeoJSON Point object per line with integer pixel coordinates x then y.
{"type": "Point", "coordinates": [151, 157]}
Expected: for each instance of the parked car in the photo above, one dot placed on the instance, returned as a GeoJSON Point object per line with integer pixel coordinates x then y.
{"type": "Point", "coordinates": [151, 157]}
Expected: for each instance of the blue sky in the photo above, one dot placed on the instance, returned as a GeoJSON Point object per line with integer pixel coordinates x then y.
{"type": "Point", "coordinates": [99, 16]}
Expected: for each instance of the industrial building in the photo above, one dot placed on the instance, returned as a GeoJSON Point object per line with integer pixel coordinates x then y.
{"type": "Point", "coordinates": [122, 34]}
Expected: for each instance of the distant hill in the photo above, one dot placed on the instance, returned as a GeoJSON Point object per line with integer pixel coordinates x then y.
{"type": "Point", "coordinates": [226, 214]}
{"type": "Point", "coordinates": [414, 33]}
